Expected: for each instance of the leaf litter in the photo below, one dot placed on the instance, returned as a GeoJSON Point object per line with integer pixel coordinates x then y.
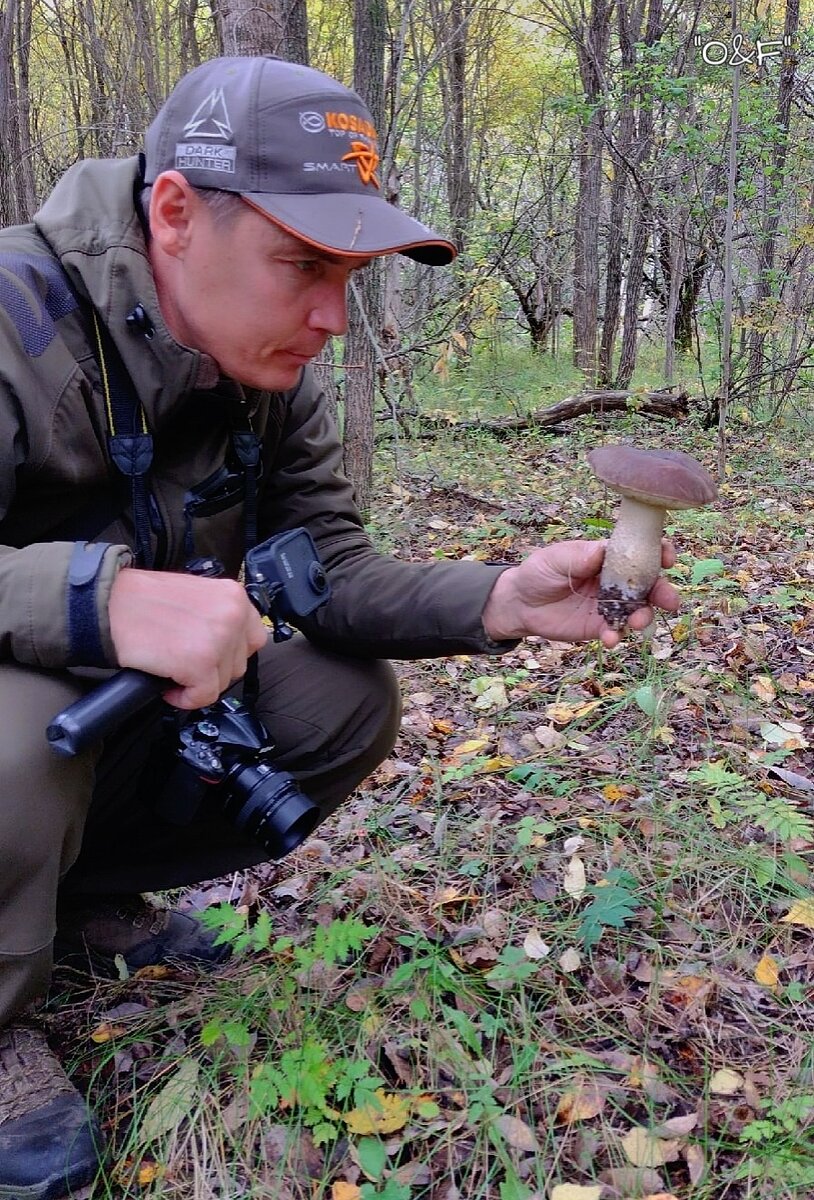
{"type": "Point", "coordinates": [592, 976]}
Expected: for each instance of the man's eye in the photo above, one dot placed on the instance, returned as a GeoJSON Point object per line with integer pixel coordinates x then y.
{"type": "Point", "coordinates": [307, 265]}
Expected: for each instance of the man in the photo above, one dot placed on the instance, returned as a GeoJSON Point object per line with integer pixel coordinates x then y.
{"type": "Point", "coordinates": [156, 324]}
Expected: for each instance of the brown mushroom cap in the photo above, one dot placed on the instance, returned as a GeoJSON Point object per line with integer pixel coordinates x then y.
{"type": "Point", "coordinates": [667, 478]}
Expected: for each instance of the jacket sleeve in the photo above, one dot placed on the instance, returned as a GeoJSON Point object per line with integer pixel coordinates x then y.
{"type": "Point", "coordinates": [379, 607]}
{"type": "Point", "coordinates": [38, 623]}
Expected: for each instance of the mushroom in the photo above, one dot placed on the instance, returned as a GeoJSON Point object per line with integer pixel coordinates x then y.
{"type": "Point", "coordinates": [649, 482]}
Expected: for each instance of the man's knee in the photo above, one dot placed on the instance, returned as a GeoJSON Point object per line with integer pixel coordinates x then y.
{"type": "Point", "coordinates": [332, 718]}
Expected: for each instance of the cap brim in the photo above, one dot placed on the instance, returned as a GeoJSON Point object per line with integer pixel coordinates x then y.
{"type": "Point", "coordinates": [342, 223]}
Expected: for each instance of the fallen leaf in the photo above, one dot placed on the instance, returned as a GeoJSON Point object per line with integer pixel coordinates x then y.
{"type": "Point", "coordinates": [725, 1082]}
{"type": "Point", "coordinates": [391, 1114]}
{"type": "Point", "coordinates": [534, 946]}
{"type": "Point", "coordinates": [169, 1107]}
{"type": "Point", "coordinates": [696, 1163]}
{"type": "Point", "coordinates": [574, 879]}
{"type": "Point", "coordinates": [763, 687]}
{"type": "Point", "coordinates": [767, 971]}
{"type": "Point", "coordinates": [345, 1191]}
{"type": "Point", "coordinates": [645, 1150]}
{"type": "Point", "coordinates": [581, 1102]}
{"type": "Point", "coordinates": [570, 960]}
{"type": "Point", "coordinates": [676, 1126]}
{"type": "Point", "coordinates": [801, 913]}
{"type": "Point", "coordinates": [517, 1133]}
{"type": "Point", "coordinates": [573, 1191]}
{"type": "Point", "coordinates": [106, 1032]}
{"type": "Point", "coordinates": [632, 1182]}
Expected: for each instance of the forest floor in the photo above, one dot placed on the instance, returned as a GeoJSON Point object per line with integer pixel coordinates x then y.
{"type": "Point", "coordinates": [561, 945]}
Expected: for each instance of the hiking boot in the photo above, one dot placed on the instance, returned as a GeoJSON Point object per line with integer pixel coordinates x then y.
{"type": "Point", "coordinates": [95, 931]}
{"type": "Point", "coordinates": [50, 1144]}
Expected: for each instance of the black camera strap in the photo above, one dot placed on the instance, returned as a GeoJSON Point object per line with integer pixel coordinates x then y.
{"type": "Point", "coordinates": [129, 442]}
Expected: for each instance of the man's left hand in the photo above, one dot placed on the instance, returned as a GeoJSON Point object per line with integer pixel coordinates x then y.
{"type": "Point", "coordinates": [552, 594]}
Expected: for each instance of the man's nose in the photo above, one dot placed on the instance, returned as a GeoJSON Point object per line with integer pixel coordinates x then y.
{"type": "Point", "coordinates": [330, 313]}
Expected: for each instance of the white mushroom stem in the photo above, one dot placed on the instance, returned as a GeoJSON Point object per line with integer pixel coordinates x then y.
{"type": "Point", "coordinates": [632, 560]}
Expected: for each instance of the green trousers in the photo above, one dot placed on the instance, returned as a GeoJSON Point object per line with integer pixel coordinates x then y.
{"type": "Point", "coordinates": [90, 824]}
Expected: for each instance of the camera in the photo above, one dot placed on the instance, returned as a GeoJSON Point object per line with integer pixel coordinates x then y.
{"type": "Point", "coordinates": [221, 751]}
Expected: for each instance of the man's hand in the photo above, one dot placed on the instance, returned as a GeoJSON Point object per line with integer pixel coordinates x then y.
{"type": "Point", "coordinates": [552, 594]}
{"type": "Point", "coordinates": [198, 632]}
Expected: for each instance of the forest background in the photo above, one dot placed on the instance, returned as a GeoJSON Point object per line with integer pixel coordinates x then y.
{"type": "Point", "coordinates": [560, 945]}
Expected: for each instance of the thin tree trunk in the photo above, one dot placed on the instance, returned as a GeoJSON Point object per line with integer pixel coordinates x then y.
{"type": "Point", "coordinates": [362, 349]}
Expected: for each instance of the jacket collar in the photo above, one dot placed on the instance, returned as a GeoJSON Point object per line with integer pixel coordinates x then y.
{"type": "Point", "coordinates": [91, 224]}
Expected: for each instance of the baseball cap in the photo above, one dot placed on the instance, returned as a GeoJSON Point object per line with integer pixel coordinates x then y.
{"type": "Point", "coordinates": [294, 143]}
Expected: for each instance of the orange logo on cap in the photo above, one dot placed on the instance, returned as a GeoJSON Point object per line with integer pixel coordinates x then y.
{"type": "Point", "coordinates": [366, 159]}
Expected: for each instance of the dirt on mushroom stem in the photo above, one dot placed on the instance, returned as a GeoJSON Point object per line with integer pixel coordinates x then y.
{"type": "Point", "coordinates": [632, 561]}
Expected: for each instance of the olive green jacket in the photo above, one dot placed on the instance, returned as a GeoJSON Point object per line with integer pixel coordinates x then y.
{"type": "Point", "coordinates": [86, 247]}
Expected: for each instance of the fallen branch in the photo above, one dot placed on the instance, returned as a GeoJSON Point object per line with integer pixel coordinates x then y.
{"type": "Point", "coordinates": [673, 406]}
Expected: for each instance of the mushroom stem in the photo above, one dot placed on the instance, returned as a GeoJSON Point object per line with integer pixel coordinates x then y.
{"type": "Point", "coordinates": [632, 560]}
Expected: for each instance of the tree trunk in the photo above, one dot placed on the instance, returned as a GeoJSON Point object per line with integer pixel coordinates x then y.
{"type": "Point", "coordinates": [629, 25]}
{"type": "Point", "coordinates": [592, 49]}
{"type": "Point", "coordinates": [17, 199]}
{"type": "Point", "coordinates": [766, 283]}
{"type": "Point", "coordinates": [253, 27]}
{"type": "Point", "coordinates": [362, 350]}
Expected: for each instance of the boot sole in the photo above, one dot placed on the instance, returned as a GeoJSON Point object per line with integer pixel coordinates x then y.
{"type": "Point", "coordinates": [52, 1189]}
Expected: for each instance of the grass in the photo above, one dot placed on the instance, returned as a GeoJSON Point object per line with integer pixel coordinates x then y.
{"type": "Point", "coordinates": [546, 944]}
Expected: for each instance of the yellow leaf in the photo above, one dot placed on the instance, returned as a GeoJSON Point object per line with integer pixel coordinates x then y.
{"type": "Point", "coordinates": [801, 913]}
{"type": "Point", "coordinates": [391, 1113]}
{"type": "Point", "coordinates": [767, 971]}
{"type": "Point", "coordinates": [573, 1191]}
{"type": "Point", "coordinates": [345, 1191]}
{"type": "Point", "coordinates": [106, 1032]}
{"type": "Point", "coordinates": [612, 792]}
{"type": "Point", "coordinates": [725, 1082]}
{"type": "Point", "coordinates": [470, 747]}
{"type": "Point", "coordinates": [149, 1173]}
{"type": "Point", "coordinates": [561, 714]}
{"type": "Point", "coordinates": [645, 1150]}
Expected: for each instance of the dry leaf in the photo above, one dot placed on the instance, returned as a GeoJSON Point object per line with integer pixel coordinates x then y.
{"type": "Point", "coordinates": [801, 913]}
{"type": "Point", "coordinates": [518, 1134]}
{"type": "Point", "coordinates": [570, 960]}
{"type": "Point", "coordinates": [676, 1126]}
{"type": "Point", "coordinates": [573, 1191]}
{"type": "Point", "coordinates": [534, 946]}
{"type": "Point", "coordinates": [392, 1114]}
{"type": "Point", "coordinates": [106, 1032]}
{"type": "Point", "coordinates": [767, 971]}
{"type": "Point", "coordinates": [581, 1102]}
{"type": "Point", "coordinates": [645, 1150]}
{"type": "Point", "coordinates": [173, 1104]}
{"type": "Point", "coordinates": [345, 1191]}
{"type": "Point", "coordinates": [763, 688]}
{"type": "Point", "coordinates": [725, 1082]}
{"type": "Point", "coordinates": [696, 1163]}
{"type": "Point", "coordinates": [574, 880]}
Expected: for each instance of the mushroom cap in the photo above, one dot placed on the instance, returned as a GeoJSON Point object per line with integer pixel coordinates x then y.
{"type": "Point", "coordinates": [663, 478]}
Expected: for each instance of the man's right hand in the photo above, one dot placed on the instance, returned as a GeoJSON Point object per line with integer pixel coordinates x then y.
{"type": "Point", "coordinates": [196, 631]}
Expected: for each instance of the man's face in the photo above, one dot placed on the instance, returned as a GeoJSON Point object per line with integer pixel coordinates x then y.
{"type": "Point", "coordinates": [261, 302]}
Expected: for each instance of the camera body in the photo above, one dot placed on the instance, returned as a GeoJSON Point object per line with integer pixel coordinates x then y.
{"type": "Point", "coordinates": [224, 746]}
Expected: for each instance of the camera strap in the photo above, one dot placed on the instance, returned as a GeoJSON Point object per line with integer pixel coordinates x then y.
{"type": "Point", "coordinates": [129, 442]}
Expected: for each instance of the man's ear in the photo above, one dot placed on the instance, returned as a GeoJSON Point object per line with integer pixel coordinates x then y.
{"type": "Point", "coordinates": [174, 207]}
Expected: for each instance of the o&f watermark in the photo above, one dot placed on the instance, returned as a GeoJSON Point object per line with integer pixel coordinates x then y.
{"type": "Point", "coordinates": [733, 53]}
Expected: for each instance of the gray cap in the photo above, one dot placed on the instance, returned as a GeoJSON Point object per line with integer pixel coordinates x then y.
{"type": "Point", "coordinates": [295, 144]}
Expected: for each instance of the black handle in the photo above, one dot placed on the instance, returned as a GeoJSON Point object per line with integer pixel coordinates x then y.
{"type": "Point", "coordinates": [97, 714]}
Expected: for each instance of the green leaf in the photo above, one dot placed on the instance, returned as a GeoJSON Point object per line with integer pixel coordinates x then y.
{"type": "Point", "coordinates": [611, 906]}
{"type": "Point", "coordinates": [647, 699]}
{"type": "Point", "coordinates": [706, 568]}
{"type": "Point", "coordinates": [372, 1157]}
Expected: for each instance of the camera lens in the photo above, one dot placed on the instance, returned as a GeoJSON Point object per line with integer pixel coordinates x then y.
{"type": "Point", "coordinates": [268, 806]}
